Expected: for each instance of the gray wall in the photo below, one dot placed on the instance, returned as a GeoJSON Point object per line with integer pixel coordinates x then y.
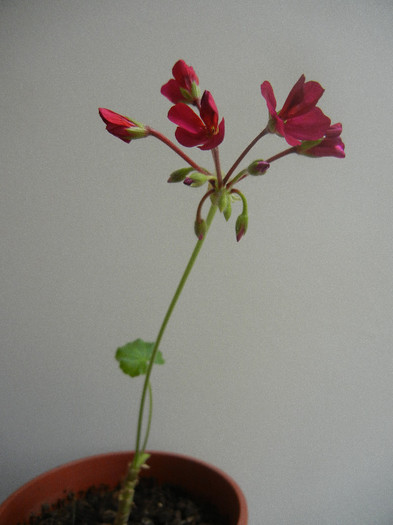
{"type": "Point", "coordinates": [279, 355]}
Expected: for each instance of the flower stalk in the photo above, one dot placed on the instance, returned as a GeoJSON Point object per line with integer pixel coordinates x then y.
{"type": "Point", "coordinates": [177, 150]}
{"type": "Point", "coordinates": [127, 492]}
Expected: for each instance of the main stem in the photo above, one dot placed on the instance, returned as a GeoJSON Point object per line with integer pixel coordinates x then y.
{"type": "Point", "coordinates": [165, 321]}
{"type": "Point", "coordinates": [127, 492]}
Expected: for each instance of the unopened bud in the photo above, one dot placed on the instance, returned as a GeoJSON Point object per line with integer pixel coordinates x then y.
{"type": "Point", "coordinates": [179, 175]}
{"type": "Point", "coordinates": [241, 226]}
{"type": "Point", "coordinates": [258, 167]}
{"type": "Point", "coordinates": [122, 127]}
{"type": "Point", "coordinates": [200, 228]}
{"type": "Point", "coordinates": [196, 179]}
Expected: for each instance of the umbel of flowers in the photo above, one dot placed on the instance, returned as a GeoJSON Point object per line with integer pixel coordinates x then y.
{"type": "Point", "coordinates": [300, 122]}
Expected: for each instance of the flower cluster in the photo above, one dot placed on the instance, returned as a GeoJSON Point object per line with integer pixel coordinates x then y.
{"type": "Point", "coordinates": [300, 122]}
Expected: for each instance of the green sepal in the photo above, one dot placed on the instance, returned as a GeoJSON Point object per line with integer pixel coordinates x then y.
{"type": "Point", "coordinates": [190, 96]}
{"type": "Point", "coordinates": [137, 133]}
{"type": "Point", "coordinates": [307, 144]}
{"type": "Point", "coordinates": [228, 210]}
{"type": "Point", "coordinates": [134, 357]}
{"type": "Point", "coordinates": [180, 174]}
{"type": "Point", "coordinates": [198, 179]}
{"type": "Point", "coordinates": [195, 91]}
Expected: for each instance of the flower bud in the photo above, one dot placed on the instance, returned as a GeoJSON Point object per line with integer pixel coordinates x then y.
{"type": "Point", "coordinates": [179, 175]}
{"type": "Point", "coordinates": [122, 127]}
{"type": "Point", "coordinates": [200, 228]}
{"type": "Point", "coordinates": [196, 179]}
{"type": "Point", "coordinates": [258, 167]}
{"type": "Point", "coordinates": [241, 226]}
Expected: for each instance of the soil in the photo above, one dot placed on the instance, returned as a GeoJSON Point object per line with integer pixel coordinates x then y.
{"type": "Point", "coordinates": [154, 505]}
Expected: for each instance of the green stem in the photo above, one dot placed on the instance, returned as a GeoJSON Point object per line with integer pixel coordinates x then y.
{"type": "Point", "coordinates": [168, 314]}
{"type": "Point", "coordinates": [149, 417]}
{"type": "Point", "coordinates": [126, 494]}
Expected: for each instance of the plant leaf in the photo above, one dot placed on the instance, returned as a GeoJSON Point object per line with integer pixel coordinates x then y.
{"type": "Point", "coordinates": [134, 357]}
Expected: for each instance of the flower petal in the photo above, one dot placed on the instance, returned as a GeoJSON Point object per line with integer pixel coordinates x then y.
{"type": "Point", "coordinates": [294, 98]}
{"type": "Point", "coordinates": [302, 97]}
{"type": "Point", "coordinates": [185, 138]}
{"type": "Point", "coordinates": [310, 126]}
{"type": "Point", "coordinates": [183, 116]}
{"type": "Point", "coordinates": [171, 91]}
{"type": "Point", "coordinates": [209, 112]}
{"type": "Point", "coordinates": [268, 95]}
{"type": "Point", "coordinates": [112, 118]}
{"type": "Point", "coordinates": [184, 74]}
{"type": "Point", "coordinates": [329, 148]}
{"type": "Point", "coordinates": [335, 130]}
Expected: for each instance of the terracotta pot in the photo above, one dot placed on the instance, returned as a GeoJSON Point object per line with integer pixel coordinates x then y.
{"type": "Point", "coordinates": [198, 478]}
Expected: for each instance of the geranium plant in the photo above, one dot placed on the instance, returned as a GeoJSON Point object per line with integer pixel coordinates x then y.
{"type": "Point", "coordinates": [306, 129]}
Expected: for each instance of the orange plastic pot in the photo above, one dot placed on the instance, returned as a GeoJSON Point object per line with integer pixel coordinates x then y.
{"type": "Point", "coordinates": [197, 477]}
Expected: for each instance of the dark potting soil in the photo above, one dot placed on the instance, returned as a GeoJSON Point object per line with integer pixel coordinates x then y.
{"type": "Point", "coordinates": [154, 505]}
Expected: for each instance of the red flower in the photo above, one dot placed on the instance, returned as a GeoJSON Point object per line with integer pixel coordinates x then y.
{"type": "Point", "coordinates": [184, 86]}
{"type": "Point", "coordinates": [122, 127]}
{"type": "Point", "coordinates": [330, 146]}
{"type": "Point", "coordinates": [203, 131]}
{"type": "Point", "coordinates": [299, 118]}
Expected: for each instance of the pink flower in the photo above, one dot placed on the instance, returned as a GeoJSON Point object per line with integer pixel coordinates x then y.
{"type": "Point", "coordinates": [299, 118]}
{"type": "Point", "coordinates": [330, 146]}
{"type": "Point", "coordinates": [122, 127]}
{"type": "Point", "coordinates": [203, 131]}
{"type": "Point", "coordinates": [184, 86]}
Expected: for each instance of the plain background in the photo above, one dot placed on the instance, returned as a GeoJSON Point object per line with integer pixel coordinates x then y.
{"type": "Point", "coordinates": [279, 358]}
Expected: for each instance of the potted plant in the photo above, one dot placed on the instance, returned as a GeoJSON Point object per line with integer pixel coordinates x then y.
{"type": "Point", "coordinates": [308, 132]}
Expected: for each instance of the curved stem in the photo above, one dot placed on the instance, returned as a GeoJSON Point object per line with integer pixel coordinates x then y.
{"type": "Point", "coordinates": [168, 314]}
{"type": "Point", "coordinates": [244, 200]}
{"type": "Point", "coordinates": [201, 202]}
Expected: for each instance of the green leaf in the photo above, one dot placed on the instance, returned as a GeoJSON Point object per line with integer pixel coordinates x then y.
{"type": "Point", "coordinates": [134, 357]}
